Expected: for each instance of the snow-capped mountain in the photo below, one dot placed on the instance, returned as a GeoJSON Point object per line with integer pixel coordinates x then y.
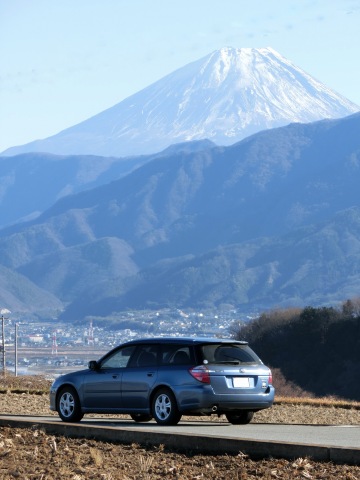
{"type": "Point", "coordinates": [225, 97]}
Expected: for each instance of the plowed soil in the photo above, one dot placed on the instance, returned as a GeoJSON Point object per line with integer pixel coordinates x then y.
{"type": "Point", "coordinates": [32, 454]}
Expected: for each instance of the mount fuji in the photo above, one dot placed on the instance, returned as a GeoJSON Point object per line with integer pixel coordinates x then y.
{"type": "Point", "coordinates": [224, 97]}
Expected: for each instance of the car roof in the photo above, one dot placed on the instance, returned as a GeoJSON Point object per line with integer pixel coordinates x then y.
{"type": "Point", "coordinates": [184, 341]}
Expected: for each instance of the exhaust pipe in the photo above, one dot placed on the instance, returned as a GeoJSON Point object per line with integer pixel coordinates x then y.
{"type": "Point", "coordinates": [214, 408]}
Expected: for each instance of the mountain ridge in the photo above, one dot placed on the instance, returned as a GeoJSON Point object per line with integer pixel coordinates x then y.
{"type": "Point", "coordinates": [238, 221]}
{"type": "Point", "coordinates": [224, 97]}
{"type": "Point", "coordinates": [30, 183]}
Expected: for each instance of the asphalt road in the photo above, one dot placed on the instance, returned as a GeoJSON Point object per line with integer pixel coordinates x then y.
{"type": "Point", "coordinates": [336, 436]}
{"type": "Point", "coordinates": [321, 442]}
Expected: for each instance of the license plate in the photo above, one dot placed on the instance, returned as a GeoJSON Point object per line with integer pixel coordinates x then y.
{"type": "Point", "coordinates": [241, 382]}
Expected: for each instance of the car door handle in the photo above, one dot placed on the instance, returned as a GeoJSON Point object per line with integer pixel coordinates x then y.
{"type": "Point", "coordinates": [150, 374]}
{"type": "Point", "coordinates": [115, 376]}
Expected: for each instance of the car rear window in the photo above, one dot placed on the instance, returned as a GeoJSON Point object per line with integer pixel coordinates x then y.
{"type": "Point", "coordinates": [229, 353]}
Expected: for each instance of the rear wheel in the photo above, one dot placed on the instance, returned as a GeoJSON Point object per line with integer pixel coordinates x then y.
{"type": "Point", "coordinates": [141, 417]}
{"type": "Point", "coordinates": [164, 407]}
{"type": "Point", "coordinates": [240, 418]}
{"type": "Point", "coordinates": [68, 405]}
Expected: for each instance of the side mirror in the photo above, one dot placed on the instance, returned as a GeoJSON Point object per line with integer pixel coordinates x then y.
{"type": "Point", "coordinates": [93, 365]}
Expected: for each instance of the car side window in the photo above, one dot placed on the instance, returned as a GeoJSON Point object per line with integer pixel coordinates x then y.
{"type": "Point", "coordinates": [181, 357]}
{"type": "Point", "coordinates": [145, 356]}
{"type": "Point", "coordinates": [119, 359]}
{"type": "Point", "coordinates": [175, 355]}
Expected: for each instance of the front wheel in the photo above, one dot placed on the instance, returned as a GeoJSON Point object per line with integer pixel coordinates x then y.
{"type": "Point", "coordinates": [141, 417]}
{"type": "Point", "coordinates": [68, 405]}
{"type": "Point", "coordinates": [240, 418]}
{"type": "Point", "coordinates": [164, 408]}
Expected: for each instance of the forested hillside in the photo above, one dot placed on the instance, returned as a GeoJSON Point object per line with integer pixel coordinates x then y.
{"type": "Point", "coordinates": [316, 348]}
{"type": "Point", "coordinates": [273, 220]}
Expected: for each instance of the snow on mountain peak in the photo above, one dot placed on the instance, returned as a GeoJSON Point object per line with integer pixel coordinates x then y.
{"type": "Point", "coordinates": [227, 95]}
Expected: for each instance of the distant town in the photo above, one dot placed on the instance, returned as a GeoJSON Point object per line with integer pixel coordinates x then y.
{"type": "Point", "coordinates": [51, 348]}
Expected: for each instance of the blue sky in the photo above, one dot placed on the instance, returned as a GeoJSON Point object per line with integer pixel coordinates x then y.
{"type": "Point", "coordinates": [63, 61]}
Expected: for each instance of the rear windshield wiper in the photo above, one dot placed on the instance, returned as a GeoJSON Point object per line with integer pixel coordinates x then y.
{"type": "Point", "coordinates": [228, 362]}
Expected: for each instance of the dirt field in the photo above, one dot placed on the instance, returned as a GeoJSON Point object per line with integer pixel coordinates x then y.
{"type": "Point", "coordinates": [32, 454]}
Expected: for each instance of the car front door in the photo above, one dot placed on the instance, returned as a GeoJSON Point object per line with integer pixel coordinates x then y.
{"type": "Point", "coordinates": [102, 387]}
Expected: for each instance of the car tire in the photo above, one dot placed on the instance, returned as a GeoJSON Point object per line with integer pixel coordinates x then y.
{"type": "Point", "coordinates": [141, 417]}
{"type": "Point", "coordinates": [240, 418]}
{"type": "Point", "coordinates": [164, 408]}
{"type": "Point", "coordinates": [68, 405]}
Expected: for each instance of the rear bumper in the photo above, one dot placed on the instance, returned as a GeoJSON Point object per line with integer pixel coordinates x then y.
{"type": "Point", "coordinates": [209, 402]}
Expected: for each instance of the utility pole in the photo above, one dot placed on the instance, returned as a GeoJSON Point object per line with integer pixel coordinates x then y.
{"type": "Point", "coordinates": [16, 349]}
{"type": "Point", "coordinates": [3, 343]}
{"type": "Point", "coordinates": [3, 312]}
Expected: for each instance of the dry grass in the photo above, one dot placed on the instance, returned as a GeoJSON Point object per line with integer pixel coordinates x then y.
{"type": "Point", "coordinates": [32, 454]}
{"type": "Point", "coordinates": [37, 384]}
{"type": "Point", "coordinates": [318, 402]}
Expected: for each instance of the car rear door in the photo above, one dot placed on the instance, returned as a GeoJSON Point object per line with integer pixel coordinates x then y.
{"type": "Point", "coordinates": [139, 377]}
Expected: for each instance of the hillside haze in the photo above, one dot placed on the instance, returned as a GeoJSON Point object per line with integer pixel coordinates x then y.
{"type": "Point", "coordinates": [225, 97]}
{"type": "Point", "coordinates": [32, 182]}
{"type": "Point", "coordinates": [271, 220]}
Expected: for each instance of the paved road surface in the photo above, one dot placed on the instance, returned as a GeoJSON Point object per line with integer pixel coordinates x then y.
{"type": "Point", "coordinates": [338, 443]}
{"type": "Point", "coordinates": [336, 436]}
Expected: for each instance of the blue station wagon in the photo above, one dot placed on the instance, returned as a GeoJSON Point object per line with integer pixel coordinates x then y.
{"type": "Point", "coordinates": [165, 378]}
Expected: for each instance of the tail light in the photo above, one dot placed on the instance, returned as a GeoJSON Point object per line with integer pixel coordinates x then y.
{"type": "Point", "coordinates": [200, 373]}
{"type": "Point", "coordinates": [270, 377]}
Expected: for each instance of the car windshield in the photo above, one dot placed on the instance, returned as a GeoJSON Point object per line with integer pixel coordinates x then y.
{"type": "Point", "coordinates": [229, 353]}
